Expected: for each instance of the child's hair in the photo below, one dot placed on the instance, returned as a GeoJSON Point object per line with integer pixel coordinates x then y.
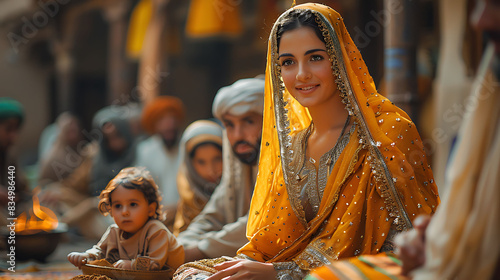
{"type": "Point", "coordinates": [137, 178]}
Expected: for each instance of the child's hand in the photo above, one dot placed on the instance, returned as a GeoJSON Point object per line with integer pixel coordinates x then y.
{"type": "Point", "coordinates": [78, 259]}
{"type": "Point", "coordinates": [123, 264]}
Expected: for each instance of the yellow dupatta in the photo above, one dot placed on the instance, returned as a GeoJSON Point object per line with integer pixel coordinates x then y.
{"type": "Point", "coordinates": [380, 181]}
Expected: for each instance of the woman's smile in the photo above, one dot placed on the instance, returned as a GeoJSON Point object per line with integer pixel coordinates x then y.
{"type": "Point", "coordinates": [305, 67]}
{"type": "Point", "coordinates": [307, 89]}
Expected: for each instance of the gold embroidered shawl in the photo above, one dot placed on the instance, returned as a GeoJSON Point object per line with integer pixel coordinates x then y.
{"type": "Point", "coordinates": [381, 179]}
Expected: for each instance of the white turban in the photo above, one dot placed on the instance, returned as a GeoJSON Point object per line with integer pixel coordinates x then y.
{"type": "Point", "coordinates": [245, 95]}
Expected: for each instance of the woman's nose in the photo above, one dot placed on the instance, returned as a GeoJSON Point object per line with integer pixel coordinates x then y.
{"type": "Point", "coordinates": [214, 172]}
{"type": "Point", "coordinates": [303, 73]}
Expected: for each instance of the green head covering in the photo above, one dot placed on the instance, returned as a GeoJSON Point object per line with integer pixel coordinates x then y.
{"type": "Point", "coordinates": [10, 108]}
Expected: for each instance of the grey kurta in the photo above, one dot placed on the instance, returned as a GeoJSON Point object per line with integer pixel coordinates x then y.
{"type": "Point", "coordinates": [154, 247]}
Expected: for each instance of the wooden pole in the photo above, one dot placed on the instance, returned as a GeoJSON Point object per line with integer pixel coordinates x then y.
{"type": "Point", "coordinates": [116, 15]}
{"type": "Point", "coordinates": [400, 54]}
{"type": "Point", "coordinates": [65, 76]}
{"type": "Point", "coordinates": [152, 67]}
{"type": "Point", "coordinates": [64, 44]}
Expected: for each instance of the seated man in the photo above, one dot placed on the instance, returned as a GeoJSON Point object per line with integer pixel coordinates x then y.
{"type": "Point", "coordinates": [11, 178]}
{"type": "Point", "coordinates": [159, 153]}
{"type": "Point", "coordinates": [220, 228]}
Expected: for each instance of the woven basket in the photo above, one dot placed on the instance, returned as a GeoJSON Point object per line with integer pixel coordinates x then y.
{"type": "Point", "coordinates": [126, 274]}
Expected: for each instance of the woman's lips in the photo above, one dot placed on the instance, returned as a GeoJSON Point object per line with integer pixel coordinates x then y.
{"type": "Point", "coordinates": [306, 88]}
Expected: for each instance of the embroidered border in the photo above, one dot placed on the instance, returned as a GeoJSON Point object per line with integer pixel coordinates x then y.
{"type": "Point", "coordinates": [315, 255]}
{"type": "Point", "coordinates": [283, 124]}
{"type": "Point", "coordinates": [379, 168]}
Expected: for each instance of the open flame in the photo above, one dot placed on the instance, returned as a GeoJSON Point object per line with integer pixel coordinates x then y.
{"type": "Point", "coordinates": [40, 218]}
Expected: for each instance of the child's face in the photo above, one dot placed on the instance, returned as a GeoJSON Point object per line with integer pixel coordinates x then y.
{"type": "Point", "coordinates": [130, 209]}
{"type": "Point", "coordinates": [207, 162]}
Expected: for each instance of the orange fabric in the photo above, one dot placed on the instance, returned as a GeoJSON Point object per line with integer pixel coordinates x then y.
{"type": "Point", "coordinates": [213, 17]}
{"type": "Point", "coordinates": [381, 266]}
{"type": "Point", "coordinates": [139, 22]}
{"type": "Point", "coordinates": [382, 177]}
{"type": "Point", "coordinates": [157, 108]}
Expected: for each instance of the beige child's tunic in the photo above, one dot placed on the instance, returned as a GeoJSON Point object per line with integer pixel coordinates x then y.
{"type": "Point", "coordinates": [153, 247]}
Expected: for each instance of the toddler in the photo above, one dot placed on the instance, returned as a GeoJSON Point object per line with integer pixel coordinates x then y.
{"type": "Point", "coordinates": [138, 240]}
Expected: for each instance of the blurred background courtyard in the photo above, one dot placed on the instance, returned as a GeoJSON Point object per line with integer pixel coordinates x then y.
{"type": "Point", "coordinates": [80, 56]}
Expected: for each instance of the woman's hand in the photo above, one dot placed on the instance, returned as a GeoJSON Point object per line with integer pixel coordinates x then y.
{"type": "Point", "coordinates": [78, 259]}
{"type": "Point", "coordinates": [123, 264]}
{"type": "Point", "coordinates": [244, 269]}
{"type": "Point", "coordinates": [411, 245]}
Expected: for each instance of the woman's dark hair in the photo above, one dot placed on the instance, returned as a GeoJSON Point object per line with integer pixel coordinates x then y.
{"type": "Point", "coordinates": [296, 19]}
{"type": "Point", "coordinates": [193, 151]}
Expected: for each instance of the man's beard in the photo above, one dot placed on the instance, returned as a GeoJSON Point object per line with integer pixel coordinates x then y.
{"type": "Point", "coordinates": [251, 157]}
{"type": "Point", "coordinates": [170, 141]}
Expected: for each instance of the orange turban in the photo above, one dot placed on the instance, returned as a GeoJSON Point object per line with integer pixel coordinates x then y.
{"type": "Point", "coordinates": [157, 108]}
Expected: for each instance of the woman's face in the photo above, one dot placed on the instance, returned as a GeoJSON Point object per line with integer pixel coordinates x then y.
{"type": "Point", "coordinates": [207, 162]}
{"type": "Point", "coordinates": [115, 141]}
{"type": "Point", "coordinates": [305, 67]}
{"type": "Point", "coordinates": [72, 133]}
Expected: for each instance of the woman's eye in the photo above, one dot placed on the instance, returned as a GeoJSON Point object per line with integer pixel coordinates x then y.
{"type": "Point", "coordinates": [133, 204]}
{"type": "Point", "coordinates": [286, 62]}
{"type": "Point", "coordinates": [316, 57]}
{"type": "Point", "coordinates": [117, 206]}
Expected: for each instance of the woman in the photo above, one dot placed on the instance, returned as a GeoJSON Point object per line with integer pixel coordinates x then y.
{"type": "Point", "coordinates": [345, 168]}
{"type": "Point", "coordinates": [200, 171]}
{"type": "Point", "coordinates": [117, 149]}
{"type": "Point", "coordinates": [65, 155]}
